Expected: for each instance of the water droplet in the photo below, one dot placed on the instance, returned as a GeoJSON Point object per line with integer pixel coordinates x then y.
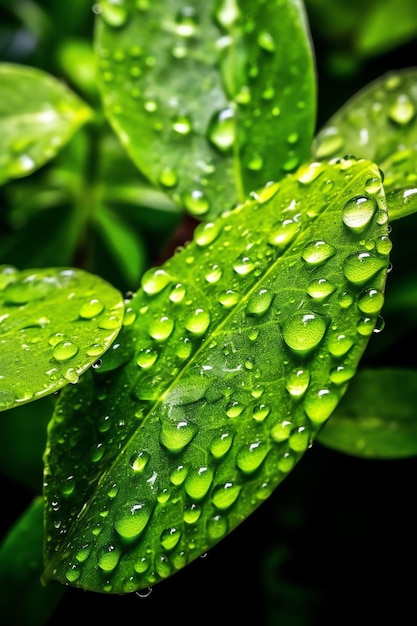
{"type": "Point", "coordinates": [169, 538]}
{"type": "Point", "coordinates": [345, 299]}
{"type": "Point", "coordinates": [283, 233]}
{"type": "Point", "coordinates": [371, 301]}
{"type": "Point", "coordinates": [196, 202]}
{"type": "Point", "coordinates": [168, 177]}
{"type": "Point", "coordinates": [329, 142]}
{"type": "Point", "coordinates": [206, 232]}
{"type": "Point", "coordinates": [108, 558]}
{"type": "Point", "coordinates": [217, 527]}
{"type": "Point", "coordinates": [65, 350]}
{"type": "Point", "coordinates": [220, 445]}
{"type": "Point", "coordinates": [373, 184]}
{"type": "Point", "coordinates": [198, 482]}
{"type": "Point", "coordinates": [227, 13]}
{"type": "Point", "coordinates": [309, 172]}
{"type": "Point", "coordinates": [341, 374]}
{"type": "Point", "coordinates": [192, 514]}
{"type": "Point", "coordinates": [365, 326]}
{"type": "Point", "coordinates": [250, 457]}
{"type": "Point", "coordinates": [178, 475]}
{"type": "Point", "coordinates": [299, 439]}
{"type": "Point", "coordinates": [303, 332]}
{"type": "Point", "coordinates": [383, 245]}
{"type": "Point", "coordinates": [223, 496]}
{"type": "Point", "coordinates": [358, 213]}
{"type": "Point", "coordinates": [320, 289]}
{"type": "Point", "coordinates": [402, 110]}
{"type": "Point", "coordinates": [177, 293]}
{"type": "Point", "coordinates": [154, 281]}
{"type": "Point", "coordinates": [360, 267]}
{"type": "Point", "coordinates": [317, 252]}
{"type": "Point", "coordinates": [222, 130]}
{"type": "Point", "coordinates": [281, 431]}
{"type": "Point", "coordinates": [161, 328]}
{"type": "Point", "coordinates": [229, 298]}
{"type": "Point", "coordinates": [146, 358]}
{"type": "Point", "coordinates": [140, 566]}
{"type": "Point", "coordinates": [339, 344]}
{"type": "Point", "coordinates": [132, 519]}
{"type": "Point", "coordinates": [319, 405]}
{"type": "Point", "coordinates": [175, 436]}
{"type": "Point", "coordinates": [114, 12]}
{"type": "Point", "coordinates": [286, 462]}
{"type": "Point", "coordinates": [73, 573]}
{"type": "Point", "coordinates": [139, 461]}
{"type": "Point", "coordinates": [234, 409]}
{"type": "Point", "coordinates": [187, 22]}
{"type": "Point", "coordinates": [181, 124]}
{"type": "Point", "coordinates": [297, 382]}
{"type": "Point", "coordinates": [266, 41]}
{"type": "Point", "coordinates": [184, 348]}
{"type": "Point", "coordinates": [91, 309]}
{"type": "Point", "coordinates": [243, 266]}
{"type": "Point", "coordinates": [260, 412]}
{"type": "Point", "coordinates": [259, 303]}
{"type": "Point", "coordinates": [198, 322]}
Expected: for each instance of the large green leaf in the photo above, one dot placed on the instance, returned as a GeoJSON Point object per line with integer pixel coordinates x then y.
{"type": "Point", "coordinates": [54, 324]}
{"type": "Point", "coordinates": [244, 343]}
{"type": "Point", "coordinates": [377, 418]}
{"type": "Point", "coordinates": [211, 99]}
{"type": "Point", "coordinates": [38, 115]}
{"type": "Point", "coordinates": [380, 123]}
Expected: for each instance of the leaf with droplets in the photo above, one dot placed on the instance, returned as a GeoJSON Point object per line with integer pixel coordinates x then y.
{"type": "Point", "coordinates": [380, 123]}
{"type": "Point", "coordinates": [38, 116]}
{"type": "Point", "coordinates": [212, 99]}
{"type": "Point", "coordinates": [54, 324]}
{"type": "Point", "coordinates": [239, 349]}
{"type": "Point", "coordinates": [377, 418]}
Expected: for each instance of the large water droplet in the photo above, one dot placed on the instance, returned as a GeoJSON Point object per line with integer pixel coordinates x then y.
{"type": "Point", "coordinates": [229, 298]}
{"type": "Point", "coordinates": [175, 436]}
{"type": "Point", "coordinates": [360, 267]}
{"type": "Point", "coordinates": [371, 301]}
{"type": "Point", "coordinates": [108, 558]}
{"type": "Point", "coordinates": [220, 445]}
{"type": "Point", "coordinates": [259, 303]}
{"type": "Point", "coordinates": [283, 233]}
{"type": "Point", "coordinates": [206, 232]}
{"type": "Point", "coordinates": [319, 289]}
{"type": "Point", "coordinates": [299, 439]}
{"type": "Point", "coordinates": [358, 213]}
{"type": "Point", "coordinates": [281, 431]}
{"type": "Point", "coordinates": [91, 309]}
{"type": "Point", "coordinates": [339, 344]}
{"type": "Point", "coordinates": [65, 350]}
{"type": "Point", "coordinates": [139, 461]}
{"type": "Point", "coordinates": [222, 130]}
{"type": "Point", "coordinates": [297, 382]}
{"type": "Point", "coordinates": [317, 252]}
{"type": "Point", "coordinates": [198, 322]}
{"type": "Point", "coordinates": [402, 110]}
{"type": "Point", "coordinates": [132, 519]}
{"type": "Point", "coordinates": [303, 332]}
{"type": "Point", "coordinates": [154, 280]}
{"type": "Point", "coordinates": [170, 538]}
{"type": "Point", "coordinates": [161, 328]}
{"type": "Point", "coordinates": [320, 405]}
{"type": "Point", "coordinates": [250, 457]}
{"type": "Point", "coordinates": [114, 12]}
{"type": "Point", "coordinates": [196, 202]}
{"type": "Point", "coordinates": [223, 496]}
{"type": "Point", "coordinates": [198, 482]}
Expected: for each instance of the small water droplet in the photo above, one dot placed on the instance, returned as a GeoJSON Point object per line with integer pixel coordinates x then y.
{"type": "Point", "coordinates": [329, 142]}
{"type": "Point", "coordinates": [281, 431]}
{"type": "Point", "coordinates": [360, 267]}
{"type": "Point", "coordinates": [196, 202]}
{"type": "Point", "coordinates": [198, 322]}
{"type": "Point", "coordinates": [358, 213]}
{"type": "Point", "coordinates": [91, 309]}
{"type": "Point", "coordinates": [139, 460]}
{"type": "Point", "coordinates": [319, 289]}
{"type": "Point", "coordinates": [132, 519]}
{"type": "Point", "coordinates": [319, 405]}
{"type": "Point", "coordinates": [175, 436]}
{"type": "Point", "coordinates": [177, 293]}
{"type": "Point", "coordinates": [198, 482]}
{"type": "Point", "coordinates": [303, 332]}
{"type": "Point", "coordinates": [146, 358]}
{"type": "Point", "coordinates": [299, 439]}
{"type": "Point", "coordinates": [154, 281]}
{"type": "Point", "coordinates": [184, 348]}
{"type": "Point", "coordinates": [244, 266]}
{"type": "Point", "coordinates": [286, 462]}
{"type": "Point", "coordinates": [168, 177]}
{"type": "Point", "coordinates": [108, 558]}
{"type": "Point", "coordinates": [341, 374]}
{"type": "Point", "coordinates": [65, 350]}
{"type": "Point", "coordinates": [222, 130]}
{"type": "Point", "coordinates": [169, 538]}
{"type": "Point", "coordinates": [206, 232]}
{"type": "Point", "coordinates": [260, 412]}
{"type": "Point", "coordinates": [229, 298]}
{"type": "Point", "coordinates": [161, 328]}
{"type": "Point", "coordinates": [339, 344]}
{"type": "Point", "coordinates": [383, 245]}
{"type": "Point", "coordinates": [114, 12]}
{"type": "Point", "coordinates": [178, 475]}
{"type": "Point", "coordinates": [402, 110]}
{"type": "Point", "coordinates": [266, 41]}
{"type": "Point", "coordinates": [192, 514]}
{"type": "Point", "coordinates": [234, 409]}
{"type": "Point", "coordinates": [309, 172]}
{"type": "Point", "coordinates": [283, 233]}
{"type": "Point", "coordinates": [220, 445]}
{"type": "Point", "coordinates": [345, 299]}
{"type": "Point", "coordinates": [223, 496]}
{"type": "Point", "coordinates": [250, 457]}
{"type": "Point", "coordinates": [181, 124]}
{"type": "Point", "coordinates": [217, 527]}
{"type": "Point", "coordinates": [371, 301]}
{"type": "Point", "coordinates": [297, 382]}
{"type": "Point", "coordinates": [259, 303]}
{"type": "Point", "coordinates": [214, 274]}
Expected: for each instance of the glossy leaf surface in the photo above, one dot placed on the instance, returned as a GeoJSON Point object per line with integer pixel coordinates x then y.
{"type": "Point", "coordinates": [211, 99]}
{"type": "Point", "coordinates": [54, 324]}
{"type": "Point", "coordinates": [380, 123]}
{"type": "Point", "coordinates": [38, 115]}
{"type": "Point", "coordinates": [377, 418]}
{"type": "Point", "coordinates": [242, 346]}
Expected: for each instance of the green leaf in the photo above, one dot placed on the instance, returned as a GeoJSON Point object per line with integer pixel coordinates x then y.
{"type": "Point", "coordinates": [380, 123]}
{"type": "Point", "coordinates": [377, 418]}
{"type": "Point", "coordinates": [388, 25]}
{"type": "Point", "coordinates": [244, 343]}
{"type": "Point", "coordinates": [23, 599]}
{"type": "Point", "coordinates": [55, 323]}
{"type": "Point", "coordinates": [38, 115]}
{"type": "Point", "coordinates": [211, 100]}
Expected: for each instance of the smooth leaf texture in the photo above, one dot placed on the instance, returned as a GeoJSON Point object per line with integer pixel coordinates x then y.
{"type": "Point", "coordinates": [380, 123]}
{"type": "Point", "coordinates": [211, 99]}
{"type": "Point", "coordinates": [38, 116]}
{"type": "Point", "coordinates": [377, 418]}
{"type": "Point", "coordinates": [244, 343]}
{"type": "Point", "coordinates": [54, 324]}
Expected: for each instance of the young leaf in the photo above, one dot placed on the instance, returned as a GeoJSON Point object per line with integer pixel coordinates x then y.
{"type": "Point", "coordinates": [377, 418]}
{"type": "Point", "coordinates": [380, 123]}
{"type": "Point", "coordinates": [38, 116]}
{"type": "Point", "coordinates": [244, 344]}
{"type": "Point", "coordinates": [55, 323]}
{"type": "Point", "coordinates": [211, 99]}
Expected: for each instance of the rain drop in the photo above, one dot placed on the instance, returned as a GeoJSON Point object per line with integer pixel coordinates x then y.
{"type": "Point", "coordinates": [170, 538]}
{"type": "Point", "coordinates": [108, 558]}
{"type": "Point", "coordinates": [198, 322]}
{"type": "Point", "coordinates": [358, 213]}
{"type": "Point", "coordinates": [250, 457]}
{"type": "Point", "coordinates": [223, 496]}
{"type": "Point", "coordinates": [139, 461]}
{"type": "Point", "coordinates": [259, 303]}
{"type": "Point", "coordinates": [161, 328]}
{"type": "Point", "coordinates": [360, 267]}
{"type": "Point", "coordinates": [132, 519]}
{"type": "Point", "coordinates": [281, 431]}
{"type": "Point", "coordinates": [206, 232]}
{"type": "Point", "coordinates": [402, 111]}
{"type": "Point", "coordinates": [222, 130]}
{"type": "Point", "coordinates": [317, 252]}
{"type": "Point", "coordinates": [175, 436]}
{"type": "Point", "coordinates": [283, 233]}
{"type": "Point", "coordinates": [146, 358]}
{"type": "Point", "coordinates": [319, 289]}
{"type": "Point", "coordinates": [297, 382]}
{"type": "Point", "coordinates": [303, 332]}
{"type": "Point", "coordinates": [65, 350]}
{"type": "Point", "coordinates": [319, 405]}
{"type": "Point", "coordinates": [198, 482]}
{"type": "Point", "coordinates": [229, 298]}
{"type": "Point", "coordinates": [91, 309]}
{"type": "Point", "coordinates": [220, 445]}
{"type": "Point", "coordinates": [154, 281]}
{"type": "Point", "coordinates": [196, 202]}
{"type": "Point", "coordinates": [371, 301]}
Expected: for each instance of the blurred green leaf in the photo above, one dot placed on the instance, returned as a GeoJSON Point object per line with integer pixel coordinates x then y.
{"type": "Point", "coordinates": [389, 24]}
{"type": "Point", "coordinates": [244, 342]}
{"type": "Point", "coordinates": [38, 115]}
{"type": "Point", "coordinates": [23, 599]}
{"type": "Point", "coordinates": [55, 323]}
{"type": "Point", "coordinates": [377, 418]}
{"type": "Point", "coordinates": [211, 100]}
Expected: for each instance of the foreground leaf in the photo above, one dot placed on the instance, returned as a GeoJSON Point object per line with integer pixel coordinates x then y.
{"type": "Point", "coordinates": [377, 418]}
{"type": "Point", "coordinates": [54, 324]}
{"type": "Point", "coordinates": [212, 99]}
{"type": "Point", "coordinates": [38, 115]}
{"type": "Point", "coordinates": [23, 599]}
{"type": "Point", "coordinates": [380, 123]}
{"type": "Point", "coordinates": [244, 344]}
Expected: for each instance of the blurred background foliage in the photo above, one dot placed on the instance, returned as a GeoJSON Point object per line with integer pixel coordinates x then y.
{"type": "Point", "coordinates": [335, 543]}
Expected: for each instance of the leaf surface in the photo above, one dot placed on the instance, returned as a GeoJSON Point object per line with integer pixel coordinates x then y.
{"type": "Point", "coordinates": [377, 418]}
{"type": "Point", "coordinates": [54, 324]}
{"type": "Point", "coordinates": [242, 346]}
{"type": "Point", "coordinates": [212, 99]}
{"type": "Point", "coordinates": [38, 116]}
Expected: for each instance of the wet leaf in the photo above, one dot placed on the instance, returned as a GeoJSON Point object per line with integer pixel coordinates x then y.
{"type": "Point", "coordinates": [211, 99]}
{"type": "Point", "coordinates": [377, 418]}
{"type": "Point", "coordinates": [380, 123]}
{"type": "Point", "coordinates": [54, 324]}
{"type": "Point", "coordinates": [38, 116]}
{"type": "Point", "coordinates": [244, 343]}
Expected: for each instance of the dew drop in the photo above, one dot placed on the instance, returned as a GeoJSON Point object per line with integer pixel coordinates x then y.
{"type": "Point", "coordinates": [309, 172]}
{"type": "Point", "coordinates": [186, 22]}
{"type": "Point", "coordinates": [250, 457]}
{"type": "Point", "coordinates": [91, 309]}
{"type": "Point", "coordinates": [281, 431]}
{"type": "Point", "coordinates": [65, 350]}
{"type": "Point", "coordinates": [146, 358]}
{"type": "Point", "coordinates": [286, 462]}
{"type": "Point", "coordinates": [220, 445]}
{"type": "Point", "coordinates": [341, 374]}
{"type": "Point", "coordinates": [154, 281]}
{"type": "Point", "coordinates": [243, 266]}
{"type": "Point", "coordinates": [383, 245]}
{"type": "Point", "coordinates": [297, 382]}
{"type": "Point", "coordinates": [168, 178]}
{"type": "Point", "coordinates": [198, 482]}
{"type": "Point", "coordinates": [345, 299]}
{"type": "Point", "coordinates": [329, 142]}
{"type": "Point", "coordinates": [222, 130]}
{"type": "Point", "coordinates": [72, 574]}
{"type": "Point", "coordinates": [214, 274]}
{"type": "Point", "coordinates": [139, 461]}
{"type": "Point", "coordinates": [371, 301]}
{"type": "Point", "coordinates": [114, 12]}
{"type": "Point", "coordinates": [169, 538]}
{"type": "Point", "coordinates": [108, 558]}
{"type": "Point", "coordinates": [373, 184]}
{"type": "Point", "coordinates": [229, 298]}
{"type": "Point", "coordinates": [319, 289]}
{"type": "Point", "coordinates": [320, 405]}
{"type": "Point", "coordinates": [132, 519]}
{"type": "Point", "coordinates": [178, 475]}
{"type": "Point", "coordinates": [206, 232]}
{"type": "Point", "coordinates": [184, 348]}
{"type": "Point", "coordinates": [402, 111]}
{"type": "Point", "coordinates": [198, 322]}
{"type": "Point", "coordinates": [177, 293]}
{"type": "Point", "coordinates": [339, 344]}
{"type": "Point", "coordinates": [303, 332]}
{"type": "Point", "coordinates": [196, 202]}
{"type": "Point", "coordinates": [283, 233]}
{"type": "Point", "coordinates": [299, 439]}
{"type": "Point", "coordinates": [223, 496]}
{"type": "Point", "coordinates": [260, 412]}
{"type": "Point", "coordinates": [358, 213]}
{"type": "Point", "coordinates": [360, 267]}
{"type": "Point", "coordinates": [266, 41]}
{"type": "Point", "coordinates": [317, 252]}
{"type": "Point", "coordinates": [217, 527]}
{"type": "Point", "coordinates": [175, 436]}
{"type": "Point", "coordinates": [161, 328]}
{"type": "Point", "coordinates": [234, 409]}
{"type": "Point", "coordinates": [181, 124]}
{"type": "Point", "coordinates": [192, 514]}
{"type": "Point", "coordinates": [259, 303]}
{"type": "Point", "coordinates": [365, 326]}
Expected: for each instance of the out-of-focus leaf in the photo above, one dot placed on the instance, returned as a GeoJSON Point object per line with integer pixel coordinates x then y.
{"type": "Point", "coordinates": [211, 99]}
{"type": "Point", "coordinates": [24, 601]}
{"type": "Point", "coordinates": [244, 343]}
{"type": "Point", "coordinates": [38, 115]}
{"type": "Point", "coordinates": [377, 418]}
{"type": "Point", "coordinates": [380, 123]}
{"type": "Point", "coordinates": [389, 24]}
{"type": "Point", "coordinates": [54, 324]}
